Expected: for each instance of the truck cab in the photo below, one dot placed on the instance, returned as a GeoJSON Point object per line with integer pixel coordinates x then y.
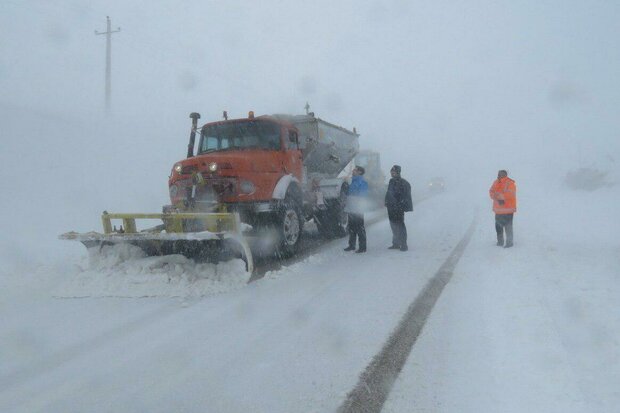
{"type": "Point", "coordinates": [238, 163]}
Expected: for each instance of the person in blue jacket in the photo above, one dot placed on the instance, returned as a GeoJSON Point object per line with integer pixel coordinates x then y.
{"type": "Point", "coordinates": [357, 201]}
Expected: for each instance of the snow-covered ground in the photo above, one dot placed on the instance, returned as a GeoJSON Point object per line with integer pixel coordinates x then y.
{"type": "Point", "coordinates": [532, 328]}
{"type": "Point", "coordinates": [535, 328]}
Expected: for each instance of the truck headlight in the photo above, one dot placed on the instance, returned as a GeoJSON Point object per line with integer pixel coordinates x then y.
{"type": "Point", "coordinates": [177, 168]}
{"type": "Point", "coordinates": [212, 167]}
{"type": "Point", "coordinates": [173, 190]}
{"type": "Point", "coordinates": [247, 187]}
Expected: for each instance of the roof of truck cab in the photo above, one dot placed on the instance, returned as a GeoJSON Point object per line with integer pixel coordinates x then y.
{"type": "Point", "coordinates": [262, 117]}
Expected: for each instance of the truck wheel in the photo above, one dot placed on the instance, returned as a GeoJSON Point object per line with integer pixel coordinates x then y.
{"type": "Point", "coordinates": [332, 223]}
{"type": "Point", "coordinates": [340, 218]}
{"type": "Point", "coordinates": [290, 225]}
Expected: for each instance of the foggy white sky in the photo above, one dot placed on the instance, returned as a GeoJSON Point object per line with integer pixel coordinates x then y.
{"type": "Point", "coordinates": [452, 88]}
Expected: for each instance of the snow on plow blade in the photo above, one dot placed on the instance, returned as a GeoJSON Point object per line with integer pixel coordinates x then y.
{"type": "Point", "coordinates": [208, 237]}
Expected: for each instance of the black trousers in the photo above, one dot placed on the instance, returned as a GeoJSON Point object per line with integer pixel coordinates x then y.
{"type": "Point", "coordinates": [399, 230]}
{"type": "Point", "coordinates": [357, 230]}
{"type": "Point", "coordinates": [503, 223]}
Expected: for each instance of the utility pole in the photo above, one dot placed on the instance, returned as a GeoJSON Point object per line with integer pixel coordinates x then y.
{"type": "Point", "coordinates": [108, 61]}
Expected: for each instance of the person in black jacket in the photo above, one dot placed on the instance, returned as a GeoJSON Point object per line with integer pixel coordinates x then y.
{"type": "Point", "coordinates": [398, 201]}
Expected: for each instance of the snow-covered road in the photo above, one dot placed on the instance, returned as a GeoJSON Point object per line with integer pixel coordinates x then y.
{"type": "Point", "coordinates": [533, 327]}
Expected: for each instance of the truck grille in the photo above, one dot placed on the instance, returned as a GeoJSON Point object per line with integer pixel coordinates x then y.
{"type": "Point", "coordinates": [217, 187]}
{"type": "Point", "coordinates": [188, 170]}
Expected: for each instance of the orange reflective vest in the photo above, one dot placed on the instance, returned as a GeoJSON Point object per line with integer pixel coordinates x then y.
{"type": "Point", "coordinates": [504, 189]}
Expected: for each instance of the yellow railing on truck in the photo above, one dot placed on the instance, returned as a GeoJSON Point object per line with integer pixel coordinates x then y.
{"type": "Point", "coordinates": [215, 222]}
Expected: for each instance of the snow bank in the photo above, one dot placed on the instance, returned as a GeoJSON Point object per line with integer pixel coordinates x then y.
{"type": "Point", "coordinates": [124, 271]}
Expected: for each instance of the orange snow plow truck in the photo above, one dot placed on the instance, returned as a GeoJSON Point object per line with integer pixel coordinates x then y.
{"type": "Point", "coordinates": [255, 178]}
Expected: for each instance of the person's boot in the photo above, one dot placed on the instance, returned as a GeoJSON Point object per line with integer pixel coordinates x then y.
{"type": "Point", "coordinates": [508, 244]}
{"type": "Point", "coordinates": [360, 250]}
{"type": "Point", "coordinates": [500, 243]}
{"type": "Point", "coordinates": [404, 248]}
{"type": "Point", "coordinates": [349, 248]}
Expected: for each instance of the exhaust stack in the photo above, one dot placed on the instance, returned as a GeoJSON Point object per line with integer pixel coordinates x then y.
{"type": "Point", "coordinates": [192, 136]}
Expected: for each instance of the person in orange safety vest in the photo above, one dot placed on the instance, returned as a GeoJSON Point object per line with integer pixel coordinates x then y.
{"type": "Point", "coordinates": [503, 192]}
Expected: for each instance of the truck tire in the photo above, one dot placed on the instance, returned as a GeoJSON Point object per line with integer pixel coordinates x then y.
{"type": "Point", "coordinates": [332, 223]}
{"type": "Point", "coordinates": [289, 224]}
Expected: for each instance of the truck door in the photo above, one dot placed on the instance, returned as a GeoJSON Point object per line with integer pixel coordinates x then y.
{"type": "Point", "coordinates": [292, 161]}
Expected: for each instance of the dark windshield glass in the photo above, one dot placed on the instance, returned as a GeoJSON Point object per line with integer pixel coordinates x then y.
{"type": "Point", "coordinates": [240, 135]}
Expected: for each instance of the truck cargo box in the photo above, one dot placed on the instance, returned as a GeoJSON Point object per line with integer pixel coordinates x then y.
{"type": "Point", "coordinates": [326, 148]}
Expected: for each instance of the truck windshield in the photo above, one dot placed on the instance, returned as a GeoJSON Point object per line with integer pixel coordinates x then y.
{"type": "Point", "coordinates": [240, 135]}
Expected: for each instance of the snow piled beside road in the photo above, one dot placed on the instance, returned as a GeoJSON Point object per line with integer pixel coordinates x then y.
{"type": "Point", "coordinates": [124, 271]}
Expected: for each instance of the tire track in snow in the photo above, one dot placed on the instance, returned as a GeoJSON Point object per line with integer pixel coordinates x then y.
{"type": "Point", "coordinates": [375, 383]}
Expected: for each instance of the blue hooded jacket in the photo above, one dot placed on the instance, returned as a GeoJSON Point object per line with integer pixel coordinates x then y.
{"type": "Point", "coordinates": [358, 187]}
{"type": "Point", "coordinates": [357, 202]}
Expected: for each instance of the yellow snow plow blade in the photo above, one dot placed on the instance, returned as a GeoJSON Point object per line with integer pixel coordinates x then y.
{"type": "Point", "coordinates": [207, 237]}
